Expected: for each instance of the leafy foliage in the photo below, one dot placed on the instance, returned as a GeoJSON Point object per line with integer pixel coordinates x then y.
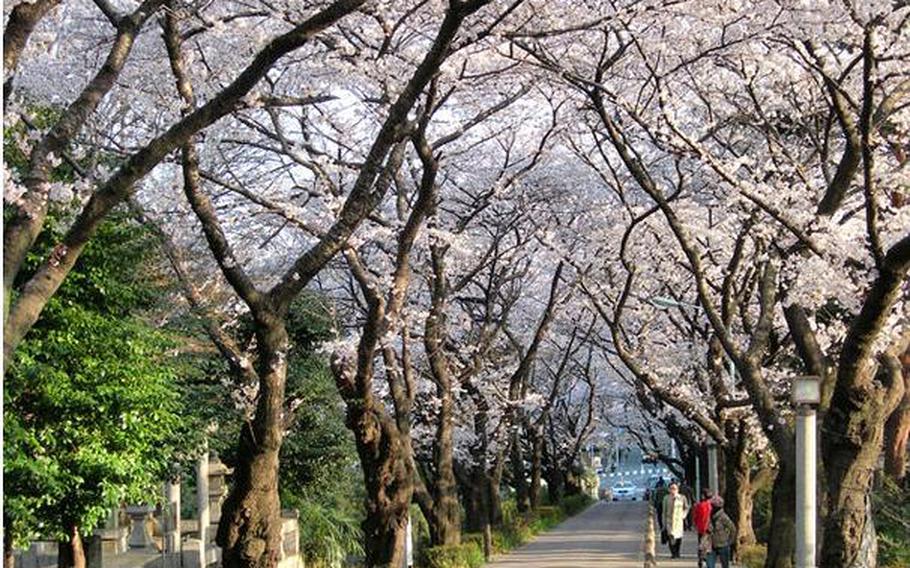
{"type": "Point", "coordinates": [517, 528]}
{"type": "Point", "coordinates": [892, 516]}
{"type": "Point", "coordinates": [466, 555]}
{"type": "Point", "coordinates": [92, 415]}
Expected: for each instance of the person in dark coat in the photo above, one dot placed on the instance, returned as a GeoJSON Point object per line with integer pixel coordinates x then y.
{"type": "Point", "coordinates": [722, 532]}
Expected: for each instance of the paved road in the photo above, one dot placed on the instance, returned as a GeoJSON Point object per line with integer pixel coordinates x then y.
{"type": "Point", "coordinates": [607, 535]}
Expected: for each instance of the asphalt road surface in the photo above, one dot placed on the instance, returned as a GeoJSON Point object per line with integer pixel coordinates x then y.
{"type": "Point", "coordinates": [606, 535]}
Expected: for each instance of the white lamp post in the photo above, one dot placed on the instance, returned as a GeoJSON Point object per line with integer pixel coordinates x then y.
{"type": "Point", "coordinates": [806, 396]}
{"type": "Point", "coordinates": [713, 482]}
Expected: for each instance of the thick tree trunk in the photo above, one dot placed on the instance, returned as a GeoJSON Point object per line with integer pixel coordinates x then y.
{"type": "Point", "coordinates": [865, 394]}
{"type": "Point", "coordinates": [70, 553]}
{"type": "Point", "coordinates": [472, 498]}
{"type": "Point", "coordinates": [249, 532]}
{"type": "Point", "coordinates": [389, 487]}
{"type": "Point", "coordinates": [9, 561]}
{"type": "Point", "coordinates": [738, 498]}
{"type": "Point", "coordinates": [897, 429]}
{"type": "Point", "coordinates": [519, 474]}
{"type": "Point", "coordinates": [445, 526]}
{"type": "Point", "coordinates": [536, 467]}
{"type": "Point", "coordinates": [782, 540]}
{"type": "Point", "coordinates": [738, 485]}
{"type": "Point", "coordinates": [556, 485]}
{"type": "Point", "coordinates": [477, 509]}
{"type": "Point", "coordinates": [493, 496]}
{"type": "Point", "coordinates": [851, 458]}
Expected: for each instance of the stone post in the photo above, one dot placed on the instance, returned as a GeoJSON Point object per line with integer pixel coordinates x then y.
{"type": "Point", "coordinates": [218, 488]}
{"type": "Point", "coordinates": [650, 544]}
{"type": "Point", "coordinates": [172, 541]}
{"type": "Point", "coordinates": [202, 502]}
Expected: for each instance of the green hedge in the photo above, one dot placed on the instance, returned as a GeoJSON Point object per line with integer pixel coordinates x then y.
{"type": "Point", "coordinates": [517, 528]}
{"type": "Point", "coordinates": [465, 555]}
{"type": "Point", "coordinates": [575, 504]}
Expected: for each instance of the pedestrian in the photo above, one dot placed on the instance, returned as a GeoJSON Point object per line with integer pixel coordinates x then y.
{"type": "Point", "coordinates": [675, 509]}
{"type": "Point", "coordinates": [657, 501]}
{"type": "Point", "coordinates": [701, 518]}
{"type": "Point", "coordinates": [722, 533]}
{"type": "Point", "coordinates": [686, 490]}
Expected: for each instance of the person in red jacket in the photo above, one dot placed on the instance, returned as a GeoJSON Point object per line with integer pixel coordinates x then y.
{"type": "Point", "coordinates": [701, 518]}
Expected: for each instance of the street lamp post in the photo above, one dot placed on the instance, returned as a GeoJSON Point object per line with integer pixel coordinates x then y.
{"type": "Point", "coordinates": [806, 396]}
{"type": "Point", "coordinates": [713, 482]}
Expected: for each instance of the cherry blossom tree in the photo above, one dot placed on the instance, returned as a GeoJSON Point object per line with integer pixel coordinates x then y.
{"type": "Point", "coordinates": [736, 131]}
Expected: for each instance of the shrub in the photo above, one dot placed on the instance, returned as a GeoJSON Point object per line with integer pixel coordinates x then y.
{"type": "Point", "coordinates": [892, 520]}
{"type": "Point", "coordinates": [550, 512]}
{"type": "Point", "coordinates": [464, 555]}
{"type": "Point", "coordinates": [518, 528]}
{"type": "Point", "coordinates": [327, 535]}
{"type": "Point", "coordinates": [754, 556]}
{"type": "Point", "coordinates": [574, 504]}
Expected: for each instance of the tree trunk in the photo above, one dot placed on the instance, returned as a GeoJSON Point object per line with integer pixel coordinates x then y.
{"type": "Point", "coordinates": [495, 500]}
{"type": "Point", "coordinates": [897, 429]}
{"type": "Point", "coordinates": [249, 532]}
{"type": "Point", "coordinates": [70, 553]}
{"type": "Point", "coordinates": [445, 523]}
{"type": "Point", "coordinates": [472, 498]}
{"type": "Point", "coordinates": [519, 474]}
{"type": "Point", "coordinates": [9, 560]}
{"type": "Point", "coordinates": [738, 485]}
{"type": "Point", "coordinates": [853, 442]}
{"type": "Point", "coordinates": [738, 500]}
{"type": "Point", "coordinates": [389, 488]}
{"type": "Point", "coordinates": [782, 540]}
{"type": "Point", "coordinates": [536, 466]}
{"type": "Point", "coordinates": [573, 483]}
{"type": "Point", "coordinates": [556, 485]}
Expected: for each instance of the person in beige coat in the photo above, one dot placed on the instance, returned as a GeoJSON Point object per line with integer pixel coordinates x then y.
{"type": "Point", "coordinates": [675, 509]}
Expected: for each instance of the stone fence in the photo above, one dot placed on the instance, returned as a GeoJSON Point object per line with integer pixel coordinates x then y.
{"type": "Point", "coordinates": [146, 536]}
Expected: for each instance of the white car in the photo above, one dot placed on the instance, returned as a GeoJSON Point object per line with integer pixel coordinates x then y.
{"type": "Point", "coordinates": [626, 491]}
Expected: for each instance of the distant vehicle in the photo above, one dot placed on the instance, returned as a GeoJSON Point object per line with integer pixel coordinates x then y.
{"type": "Point", "coordinates": [625, 491]}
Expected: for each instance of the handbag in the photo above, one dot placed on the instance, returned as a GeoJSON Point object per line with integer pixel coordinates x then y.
{"type": "Point", "coordinates": [664, 537]}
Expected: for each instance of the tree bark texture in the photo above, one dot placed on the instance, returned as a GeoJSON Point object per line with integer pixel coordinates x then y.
{"type": "Point", "coordinates": [388, 484]}
{"type": "Point", "coordinates": [446, 526]}
{"type": "Point", "coordinates": [850, 465]}
{"type": "Point", "coordinates": [9, 560]}
{"type": "Point", "coordinates": [536, 467]}
{"type": "Point", "coordinates": [70, 553]}
{"type": "Point", "coordinates": [519, 473]}
{"type": "Point", "coordinates": [782, 540]}
{"type": "Point", "coordinates": [738, 485]}
{"type": "Point", "coordinates": [897, 429]}
{"type": "Point", "coordinates": [249, 532]}
{"type": "Point", "coordinates": [867, 391]}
